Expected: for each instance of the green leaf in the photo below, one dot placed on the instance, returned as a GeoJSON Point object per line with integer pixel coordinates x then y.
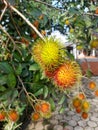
{"type": "Point", "coordinates": [11, 80]}
{"type": "Point", "coordinates": [2, 88]}
{"type": "Point", "coordinates": [92, 7]}
{"type": "Point", "coordinates": [45, 91]}
{"type": "Point", "coordinates": [62, 110]}
{"type": "Point", "coordinates": [6, 94]}
{"type": "Point", "coordinates": [18, 70]}
{"type": "Point", "coordinates": [39, 92]}
{"type": "Point", "coordinates": [3, 79]}
{"type": "Point", "coordinates": [62, 100]}
{"type": "Point", "coordinates": [51, 101]}
{"type": "Point", "coordinates": [89, 73]}
{"type": "Point", "coordinates": [88, 21]}
{"type": "Point", "coordinates": [34, 67]}
{"type": "Point", "coordinates": [9, 95]}
{"type": "Point", "coordinates": [5, 67]}
{"type": "Point", "coordinates": [17, 56]}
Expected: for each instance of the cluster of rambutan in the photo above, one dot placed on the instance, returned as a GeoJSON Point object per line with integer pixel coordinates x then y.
{"type": "Point", "coordinates": [53, 60]}
{"type": "Point", "coordinates": [93, 87]}
{"type": "Point", "coordinates": [42, 110]}
{"type": "Point", "coordinates": [81, 105]}
{"type": "Point", "coordinates": [11, 115]}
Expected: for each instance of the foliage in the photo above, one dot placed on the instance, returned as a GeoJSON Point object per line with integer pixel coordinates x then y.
{"type": "Point", "coordinates": [23, 83]}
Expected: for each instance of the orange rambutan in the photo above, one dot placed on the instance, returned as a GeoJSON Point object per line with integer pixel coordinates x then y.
{"type": "Point", "coordinates": [45, 109]}
{"type": "Point", "coordinates": [49, 74]}
{"type": "Point", "coordinates": [81, 95]}
{"type": "Point", "coordinates": [35, 116]}
{"type": "Point", "coordinates": [67, 75]}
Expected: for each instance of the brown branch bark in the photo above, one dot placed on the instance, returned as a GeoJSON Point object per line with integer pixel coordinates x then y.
{"type": "Point", "coordinates": [27, 21]}
{"type": "Point", "coordinates": [3, 9]}
{"type": "Point", "coordinates": [49, 5]}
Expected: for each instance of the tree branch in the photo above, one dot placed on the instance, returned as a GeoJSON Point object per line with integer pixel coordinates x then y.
{"type": "Point", "coordinates": [91, 14]}
{"type": "Point", "coordinates": [7, 34]}
{"type": "Point", "coordinates": [27, 21]}
{"type": "Point", "coordinates": [3, 10]}
{"type": "Point", "coordinates": [41, 2]}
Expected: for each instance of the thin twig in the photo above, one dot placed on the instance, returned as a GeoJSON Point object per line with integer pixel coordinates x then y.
{"type": "Point", "coordinates": [15, 24]}
{"type": "Point", "coordinates": [91, 14]}
{"type": "Point", "coordinates": [27, 21]}
{"type": "Point", "coordinates": [31, 101]}
{"type": "Point", "coordinates": [3, 10]}
{"type": "Point", "coordinates": [23, 85]}
{"type": "Point", "coordinates": [1, 27]}
{"type": "Point", "coordinates": [49, 5]}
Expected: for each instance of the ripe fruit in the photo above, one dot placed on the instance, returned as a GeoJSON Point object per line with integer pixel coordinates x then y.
{"type": "Point", "coordinates": [67, 75]}
{"type": "Point", "coordinates": [78, 110]}
{"type": "Point", "coordinates": [67, 22]}
{"type": "Point", "coordinates": [36, 23]}
{"type": "Point", "coordinates": [45, 107]}
{"type": "Point", "coordinates": [92, 85]}
{"type": "Point", "coordinates": [76, 102]}
{"type": "Point", "coordinates": [37, 107]}
{"type": "Point", "coordinates": [94, 44]}
{"type": "Point", "coordinates": [25, 41]}
{"type": "Point", "coordinates": [2, 115]}
{"type": "Point", "coordinates": [13, 115]}
{"type": "Point", "coordinates": [84, 115]}
{"type": "Point", "coordinates": [96, 92]}
{"type": "Point", "coordinates": [96, 11]}
{"type": "Point", "coordinates": [35, 116]}
{"type": "Point", "coordinates": [33, 35]}
{"type": "Point", "coordinates": [49, 74]}
{"type": "Point", "coordinates": [81, 95]}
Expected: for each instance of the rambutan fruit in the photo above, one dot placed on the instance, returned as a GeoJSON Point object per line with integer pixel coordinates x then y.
{"type": "Point", "coordinates": [49, 53]}
{"type": "Point", "coordinates": [35, 116]}
{"type": "Point", "coordinates": [67, 75]}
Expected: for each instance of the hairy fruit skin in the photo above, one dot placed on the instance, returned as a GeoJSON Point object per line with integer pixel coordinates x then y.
{"type": "Point", "coordinates": [92, 85]}
{"type": "Point", "coordinates": [76, 103]}
{"type": "Point", "coordinates": [35, 116]}
{"type": "Point", "coordinates": [94, 44]}
{"type": "Point", "coordinates": [43, 108]}
{"type": "Point", "coordinates": [67, 75]}
{"type": "Point", "coordinates": [2, 115]}
{"type": "Point", "coordinates": [48, 54]}
{"type": "Point", "coordinates": [13, 115]}
{"type": "Point", "coordinates": [84, 115]}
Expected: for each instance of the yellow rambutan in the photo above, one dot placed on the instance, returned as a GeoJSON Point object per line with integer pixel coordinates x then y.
{"type": "Point", "coordinates": [67, 75]}
{"type": "Point", "coordinates": [49, 53]}
{"type": "Point", "coordinates": [37, 48]}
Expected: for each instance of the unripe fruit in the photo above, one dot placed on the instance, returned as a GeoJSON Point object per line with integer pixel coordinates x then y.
{"type": "Point", "coordinates": [94, 44]}
{"type": "Point", "coordinates": [71, 30]}
{"type": "Point", "coordinates": [67, 22]}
